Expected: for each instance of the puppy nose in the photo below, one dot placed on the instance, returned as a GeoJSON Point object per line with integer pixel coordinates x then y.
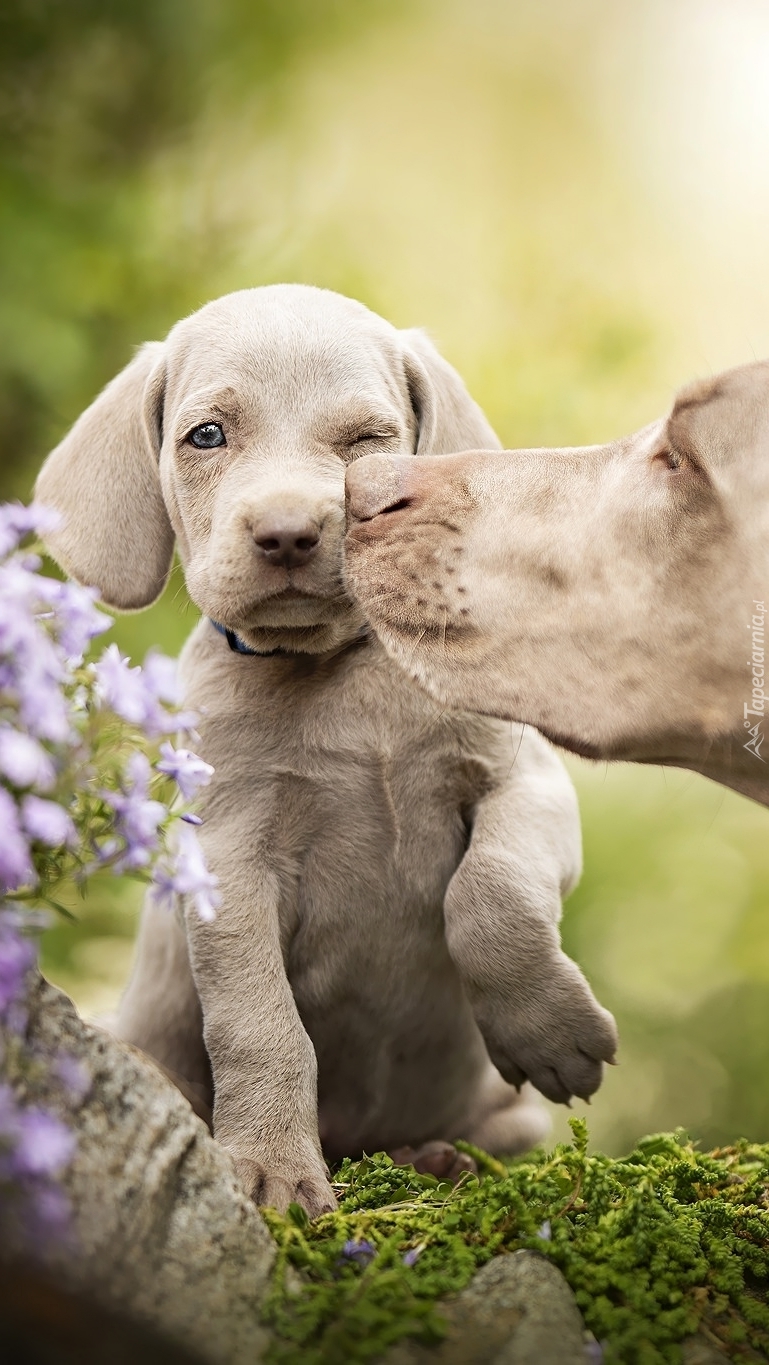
{"type": "Point", "coordinates": [376, 483]}
{"type": "Point", "coordinates": [287, 541]}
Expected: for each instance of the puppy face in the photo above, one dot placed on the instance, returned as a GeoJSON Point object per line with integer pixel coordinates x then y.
{"type": "Point", "coordinates": [264, 408]}
{"type": "Point", "coordinates": [232, 437]}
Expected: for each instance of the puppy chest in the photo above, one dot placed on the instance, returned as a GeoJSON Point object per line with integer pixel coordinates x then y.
{"type": "Point", "coordinates": [354, 791]}
{"type": "Point", "coordinates": [365, 823]}
{"type": "Point", "coordinates": [373, 853]}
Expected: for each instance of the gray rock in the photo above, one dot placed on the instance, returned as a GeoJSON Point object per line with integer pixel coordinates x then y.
{"type": "Point", "coordinates": [518, 1310]}
{"type": "Point", "coordinates": [162, 1228]}
{"type": "Point", "coordinates": [699, 1351]}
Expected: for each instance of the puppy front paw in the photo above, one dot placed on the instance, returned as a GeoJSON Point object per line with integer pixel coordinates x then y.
{"type": "Point", "coordinates": [557, 1036]}
{"type": "Point", "coordinates": [278, 1183]}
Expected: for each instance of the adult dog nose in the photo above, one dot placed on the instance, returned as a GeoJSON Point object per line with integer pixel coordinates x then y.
{"type": "Point", "coordinates": [287, 541]}
{"type": "Point", "coordinates": [375, 484]}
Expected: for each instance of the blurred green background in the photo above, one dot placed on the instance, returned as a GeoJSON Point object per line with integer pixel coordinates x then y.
{"type": "Point", "coordinates": [573, 198]}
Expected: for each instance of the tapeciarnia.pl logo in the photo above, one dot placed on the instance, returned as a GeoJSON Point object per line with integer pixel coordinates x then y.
{"type": "Point", "coordinates": [755, 709]}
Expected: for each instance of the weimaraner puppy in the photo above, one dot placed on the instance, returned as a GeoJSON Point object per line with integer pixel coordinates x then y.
{"type": "Point", "coordinates": [385, 969]}
{"type": "Point", "coordinates": [614, 596]}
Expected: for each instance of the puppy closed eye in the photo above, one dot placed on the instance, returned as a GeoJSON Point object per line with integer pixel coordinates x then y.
{"type": "Point", "coordinates": [365, 437]}
{"type": "Point", "coordinates": [207, 436]}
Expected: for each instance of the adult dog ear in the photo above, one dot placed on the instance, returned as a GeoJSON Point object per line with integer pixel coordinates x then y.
{"type": "Point", "coordinates": [448, 419]}
{"type": "Point", "coordinates": [103, 479]}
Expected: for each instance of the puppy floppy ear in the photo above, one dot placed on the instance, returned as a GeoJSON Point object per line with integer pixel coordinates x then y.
{"type": "Point", "coordinates": [448, 419]}
{"type": "Point", "coordinates": [103, 479]}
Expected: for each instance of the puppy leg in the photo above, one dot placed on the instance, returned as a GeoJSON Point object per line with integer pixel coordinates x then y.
{"type": "Point", "coordinates": [538, 1016]}
{"type": "Point", "coordinates": [264, 1065]}
{"type": "Point", "coordinates": [160, 1010]}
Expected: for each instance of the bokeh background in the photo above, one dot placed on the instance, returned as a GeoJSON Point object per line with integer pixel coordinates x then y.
{"type": "Point", "coordinates": [573, 198]}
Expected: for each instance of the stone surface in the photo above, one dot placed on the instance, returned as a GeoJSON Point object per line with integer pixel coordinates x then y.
{"type": "Point", "coordinates": [699, 1351]}
{"type": "Point", "coordinates": [163, 1232]}
{"type": "Point", "coordinates": [518, 1310]}
{"type": "Point", "coordinates": [162, 1229]}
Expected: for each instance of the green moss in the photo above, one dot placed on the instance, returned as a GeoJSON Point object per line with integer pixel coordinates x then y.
{"type": "Point", "coordinates": [655, 1246]}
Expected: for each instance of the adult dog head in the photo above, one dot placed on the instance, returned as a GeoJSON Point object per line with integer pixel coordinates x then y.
{"type": "Point", "coordinates": [231, 437]}
{"type": "Point", "coordinates": [614, 596]}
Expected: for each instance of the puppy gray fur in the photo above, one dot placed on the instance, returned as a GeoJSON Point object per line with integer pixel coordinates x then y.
{"type": "Point", "coordinates": [385, 967]}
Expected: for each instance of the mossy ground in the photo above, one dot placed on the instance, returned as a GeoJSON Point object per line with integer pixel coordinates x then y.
{"type": "Point", "coordinates": [657, 1245]}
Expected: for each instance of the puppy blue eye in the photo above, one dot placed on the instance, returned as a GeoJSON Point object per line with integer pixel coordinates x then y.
{"type": "Point", "coordinates": [207, 437]}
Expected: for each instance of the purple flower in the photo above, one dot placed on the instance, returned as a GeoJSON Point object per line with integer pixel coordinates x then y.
{"type": "Point", "coordinates": [186, 874]}
{"type": "Point", "coordinates": [35, 1142]}
{"type": "Point", "coordinates": [74, 1076]}
{"type": "Point", "coordinates": [32, 667]}
{"type": "Point", "coordinates": [161, 675]}
{"type": "Point", "coordinates": [412, 1255]}
{"type": "Point", "coordinates": [593, 1352]}
{"type": "Point", "coordinates": [44, 1145]}
{"type": "Point", "coordinates": [136, 817]}
{"type": "Point", "coordinates": [17, 955]}
{"type": "Point", "coordinates": [25, 762]}
{"type": "Point", "coordinates": [44, 709]}
{"type": "Point", "coordinates": [545, 1232]}
{"type": "Point", "coordinates": [121, 687]}
{"type": "Point", "coordinates": [48, 1216]}
{"type": "Point", "coordinates": [139, 695]}
{"type": "Point", "coordinates": [162, 678]}
{"type": "Point", "coordinates": [189, 772]}
{"type": "Point", "coordinates": [76, 618]}
{"type": "Point", "coordinates": [15, 863]}
{"type": "Point", "coordinates": [16, 522]}
{"type": "Point", "coordinates": [360, 1251]}
{"type": "Point", "coordinates": [47, 822]}
{"type": "Point", "coordinates": [35, 1147]}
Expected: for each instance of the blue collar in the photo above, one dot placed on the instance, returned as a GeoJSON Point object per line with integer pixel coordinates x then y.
{"type": "Point", "coordinates": [239, 647]}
